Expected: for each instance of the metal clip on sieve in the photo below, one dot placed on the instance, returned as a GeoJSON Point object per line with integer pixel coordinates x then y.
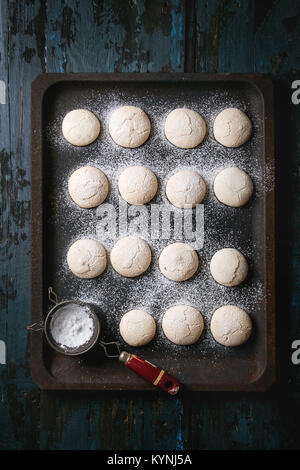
{"type": "Point", "coordinates": [140, 366]}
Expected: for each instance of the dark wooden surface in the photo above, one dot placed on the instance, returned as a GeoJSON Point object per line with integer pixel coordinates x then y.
{"type": "Point", "coordinates": [128, 36]}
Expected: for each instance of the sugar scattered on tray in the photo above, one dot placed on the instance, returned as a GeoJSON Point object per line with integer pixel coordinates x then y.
{"type": "Point", "coordinates": [152, 292]}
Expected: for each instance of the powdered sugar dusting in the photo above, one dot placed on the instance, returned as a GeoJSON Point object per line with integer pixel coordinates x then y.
{"type": "Point", "coordinates": [72, 326]}
{"type": "Point", "coordinates": [224, 226]}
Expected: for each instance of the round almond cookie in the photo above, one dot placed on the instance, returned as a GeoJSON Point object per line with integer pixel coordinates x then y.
{"type": "Point", "coordinates": [129, 126]}
{"type": "Point", "coordinates": [229, 267]}
{"type": "Point", "coordinates": [80, 127]}
{"type": "Point", "coordinates": [185, 128]}
{"type": "Point", "coordinates": [88, 187]}
{"type": "Point", "coordinates": [137, 327]}
{"type": "Point", "coordinates": [185, 189]}
{"type": "Point", "coordinates": [233, 187]}
{"type": "Point", "coordinates": [232, 127]}
{"type": "Point", "coordinates": [130, 256]}
{"type": "Point", "coordinates": [182, 324]}
{"type": "Point", "coordinates": [86, 258]}
{"type": "Point", "coordinates": [137, 185]}
{"type": "Point", "coordinates": [178, 262]}
{"type": "Point", "coordinates": [230, 325]}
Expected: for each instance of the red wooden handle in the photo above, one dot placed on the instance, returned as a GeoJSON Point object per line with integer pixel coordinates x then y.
{"type": "Point", "coordinates": [150, 372]}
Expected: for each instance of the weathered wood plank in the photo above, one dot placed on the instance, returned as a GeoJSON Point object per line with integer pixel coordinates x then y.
{"type": "Point", "coordinates": [276, 46]}
{"type": "Point", "coordinates": [121, 36]}
{"type": "Point", "coordinates": [18, 391]}
{"type": "Point", "coordinates": [224, 36]}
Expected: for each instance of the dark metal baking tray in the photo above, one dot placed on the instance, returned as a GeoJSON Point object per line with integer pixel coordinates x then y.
{"type": "Point", "coordinates": [205, 366]}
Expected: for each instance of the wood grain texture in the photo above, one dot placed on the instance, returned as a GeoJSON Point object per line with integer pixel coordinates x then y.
{"type": "Point", "coordinates": [136, 35]}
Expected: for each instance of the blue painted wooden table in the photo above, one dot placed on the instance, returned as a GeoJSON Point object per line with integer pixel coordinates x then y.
{"type": "Point", "coordinates": [143, 36]}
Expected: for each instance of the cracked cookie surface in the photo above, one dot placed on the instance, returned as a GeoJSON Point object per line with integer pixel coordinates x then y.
{"type": "Point", "coordinates": [137, 185]}
{"type": "Point", "coordinates": [232, 127]}
{"type": "Point", "coordinates": [185, 128]}
{"type": "Point", "coordinates": [130, 256]}
{"type": "Point", "coordinates": [185, 189]}
{"type": "Point", "coordinates": [129, 126]}
{"type": "Point", "coordinates": [182, 324]}
{"type": "Point", "coordinates": [88, 187]}
{"type": "Point", "coordinates": [233, 187]}
{"type": "Point", "coordinates": [86, 258]}
{"type": "Point", "coordinates": [230, 325]}
{"type": "Point", "coordinates": [178, 262]}
{"type": "Point", "coordinates": [229, 267]}
{"type": "Point", "coordinates": [80, 127]}
{"type": "Point", "coordinates": [137, 327]}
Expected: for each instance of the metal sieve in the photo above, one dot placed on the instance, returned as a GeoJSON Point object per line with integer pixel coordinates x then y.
{"type": "Point", "coordinates": [148, 371]}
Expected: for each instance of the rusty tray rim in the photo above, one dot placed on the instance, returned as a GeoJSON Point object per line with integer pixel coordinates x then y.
{"type": "Point", "coordinates": [39, 373]}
